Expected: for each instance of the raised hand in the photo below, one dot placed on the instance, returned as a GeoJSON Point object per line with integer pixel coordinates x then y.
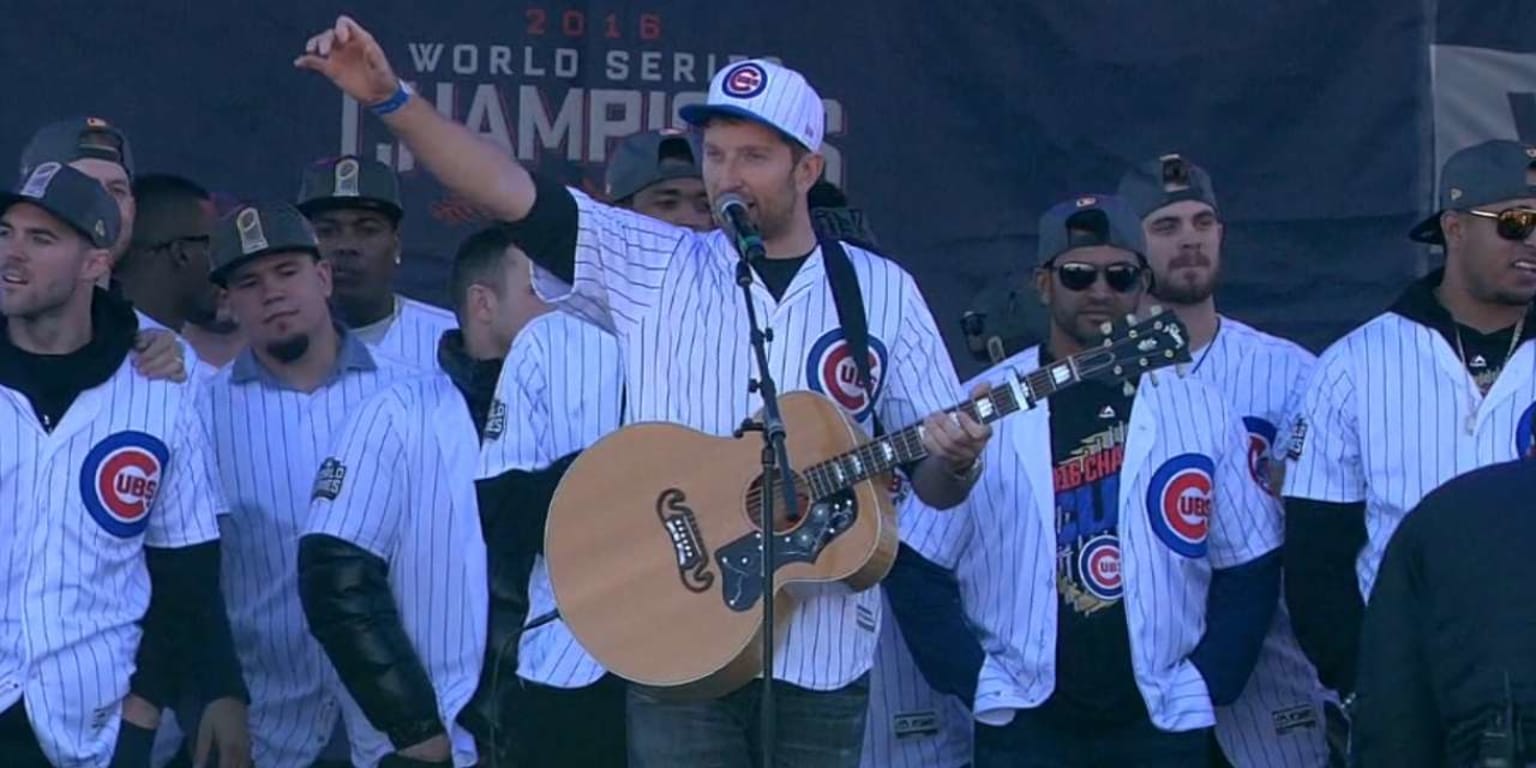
{"type": "Point", "coordinates": [348, 55]}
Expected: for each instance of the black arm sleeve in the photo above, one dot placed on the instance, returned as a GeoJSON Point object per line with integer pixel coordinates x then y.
{"type": "Point", "coordinates": [346, 597]}
{"type": "Point", "coordinates": [187, 644]}
{"type": "Point", "coordinates": [1322, 540]}
{"type": "Point", "coordinates": [925, 599]}
{"type": "Point", "coordinates": [514, 507]}
{"type": "Point", "coordinates": [548, 233]}
{"type": "Point", "coordinates": [1396, 719]}
{"type": "Point", "coordinates": [1240, 605]}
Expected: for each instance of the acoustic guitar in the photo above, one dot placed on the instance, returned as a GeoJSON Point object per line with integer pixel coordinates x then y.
{"type": "Point", "coordinates": [653, 543]}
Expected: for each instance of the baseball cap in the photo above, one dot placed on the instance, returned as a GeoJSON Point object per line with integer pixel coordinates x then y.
{"type": "Point", "coordinates": [765, 92]}
{"type": "Point", "coordinates": [350, 181]}
{"type": "Point", "coordinates": [645, 158]}
{"type": "Point", "coordinates": [1169, 179]}
{"type": "Point", "coordinates": [1478, 175]}
{"type": "Point", "coordinates": [73, 197]}
{"type": "Point", "coordinates": [76, 139]}
{"type": "Point", "coordinates": [253, 231]}
{"type": "Point", "coordinates": [1089, 220]}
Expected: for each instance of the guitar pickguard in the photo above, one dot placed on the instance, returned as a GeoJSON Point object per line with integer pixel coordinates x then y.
{"type": "Point", "coordinates": [687, 542]}
{"type": "Point", "coordinates": [741, 560]}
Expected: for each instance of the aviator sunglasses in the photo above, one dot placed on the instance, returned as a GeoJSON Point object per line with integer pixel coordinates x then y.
{"type": "Point", "coordinates": [1512, 224]}
{"type": "Point", "coordinates": [1077, 276]}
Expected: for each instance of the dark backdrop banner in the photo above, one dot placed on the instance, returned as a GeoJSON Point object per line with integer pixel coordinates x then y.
{"type": "Point", "coordinates": [953, 125]}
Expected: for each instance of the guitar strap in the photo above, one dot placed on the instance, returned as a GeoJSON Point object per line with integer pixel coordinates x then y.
{"type": "Point", "coordinates": [850, 315]}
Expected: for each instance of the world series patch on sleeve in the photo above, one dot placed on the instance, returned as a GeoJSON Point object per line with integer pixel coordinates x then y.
{"type": "Point", "coordinates": [328, 480]}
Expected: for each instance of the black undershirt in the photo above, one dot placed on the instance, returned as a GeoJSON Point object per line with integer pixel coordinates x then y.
{"type": "Point", "coordinates": [52, 382]}
{"type": "Point", "coordinates": [777, 274]}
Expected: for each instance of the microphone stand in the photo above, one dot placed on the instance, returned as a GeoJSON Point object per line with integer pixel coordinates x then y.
{"type": "Point", "coordinates": [775, 459]}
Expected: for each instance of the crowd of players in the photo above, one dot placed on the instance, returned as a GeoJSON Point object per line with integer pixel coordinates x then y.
{"type": "Point", "coordinates": [303, 526]}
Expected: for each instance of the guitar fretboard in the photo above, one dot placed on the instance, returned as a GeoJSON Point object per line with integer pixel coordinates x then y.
{"type": "Point", "coordinates": [906, 446]}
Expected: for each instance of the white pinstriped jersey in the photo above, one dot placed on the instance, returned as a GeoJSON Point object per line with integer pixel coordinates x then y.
{"type": "Point", "coordinates": [1390, 414]}
{"type": "Point", "coordinates": [910, 725]}
{"type": "Point", "coordinates": [1278, 720]}
{"type": "Point", "coordinates": [269, 441]}
{"type": "Point", "coordinates": [1187, 504]}
{"type": "Point", "coordinates": [401, 485]}
{"type": "Point", "coordinates": [561, 387]}
{"type": "Point", "coordinates": [411, 333]}
{"type": "Point", "coordinates": [127, 466]}
{"type": "Point", "coordinates": [670, 295]}
{"type": "Point", "coordinates": [197, 368]}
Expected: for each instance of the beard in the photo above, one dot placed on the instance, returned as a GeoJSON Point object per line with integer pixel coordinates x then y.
{"type": "Point", "coordinates": [290, 349]}
{"type": "Point", "coordinates": [775, 217]}
{"type": "Point", "coordinates": [1180, 287]}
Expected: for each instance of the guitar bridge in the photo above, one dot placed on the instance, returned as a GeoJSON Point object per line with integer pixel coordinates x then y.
{"type": "Point", "coordinates": [687, 541]}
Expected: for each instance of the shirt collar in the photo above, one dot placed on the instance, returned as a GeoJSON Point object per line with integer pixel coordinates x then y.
{"type": "Point", "coordinates": [351, 355]}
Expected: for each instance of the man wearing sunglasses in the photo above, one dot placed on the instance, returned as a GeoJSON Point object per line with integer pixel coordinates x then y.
{"type": "Point", "coordinates": [1122, 525]}
{"type": "Point", "coordinates": [1279, 718]}
{"type": "Point", "coordinates": [1441, 384]}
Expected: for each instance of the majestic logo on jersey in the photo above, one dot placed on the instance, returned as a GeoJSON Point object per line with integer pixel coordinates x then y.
{"type": "Point", "coordinates": [830, 370]}
{"type": "Point", "coordinates": [1261, 441]}
{"type": "Point", "coordinates": [496, 419]}
{"type": "Point", "coordinates": [119, 478]}
{"type": "Point", "coordinates": [1099, 563]}
{"type": "Point", "coordinates": [328, 480]}
{"type": "Point", "coordinates": [1179, 502]}
{"type": "Point", "coordinates": [744, 81]}
{"type": "Point", "coordinates": [1525, 441]}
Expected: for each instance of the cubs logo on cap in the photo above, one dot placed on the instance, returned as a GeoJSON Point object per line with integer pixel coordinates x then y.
{"type": "Point", "coordinates": [765, 92]}
{"type": "Point", "coordinates": [346, 174]}
{"type": "Point", "coordinates": [252, 237]}
{"type": "Point", "coordinates": [1179, 503]}
{"type": "Point", "coordinates": [119, 479]}
{"type": "Point", "coordinates": [1261, 441]}
{"type": "Point", "coordinates": [1099, 564]}
{"type": "Point", "coordinates": [831, 371]}
{"type": "Point", "coordinates": [745, 80]}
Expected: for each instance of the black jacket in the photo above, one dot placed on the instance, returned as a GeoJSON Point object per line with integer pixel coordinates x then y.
{"type": "Point", "coordinates": [1448, 643]}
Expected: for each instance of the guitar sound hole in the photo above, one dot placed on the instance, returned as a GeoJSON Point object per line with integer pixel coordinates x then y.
{"type": "Point", "coordinates": [753, 504]}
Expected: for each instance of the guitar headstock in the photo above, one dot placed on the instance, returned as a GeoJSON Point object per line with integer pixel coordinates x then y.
{"type": "Point", "coordinates": [1134, 346]}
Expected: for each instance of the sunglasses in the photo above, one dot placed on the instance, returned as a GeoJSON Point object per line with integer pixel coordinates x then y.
{"type": "Point", "coordinates": [1513, 224]}
{"type": "Point", "coordinates": [1077, 276]}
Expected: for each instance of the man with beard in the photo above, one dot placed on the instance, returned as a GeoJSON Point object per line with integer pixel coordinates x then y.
{"type": "Point", "coordinates": [672, 299]}
{"type": "Point", "coordinates": [354, 203]}
{"type": "Point", "coordinates": [1279, 719]}
{"type": "Point", "coordinates": [656, 173]}
{"type": "Point", "coordinates": [1439, 385]}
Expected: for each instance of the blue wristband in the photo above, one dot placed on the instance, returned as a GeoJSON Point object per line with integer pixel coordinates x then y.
{"type": "Point", "coordinates": [393, 103]}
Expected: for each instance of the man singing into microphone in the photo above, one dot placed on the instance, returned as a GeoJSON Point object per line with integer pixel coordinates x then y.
{"type": "Point", "coordinates": [670, 297]}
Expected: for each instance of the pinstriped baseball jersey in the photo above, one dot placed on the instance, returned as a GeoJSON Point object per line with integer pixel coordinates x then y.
{"type": "Point", "coordinates": [412, 333]}
{"type": "Point", "coordinates": [401, 485]}
{"type": "Point", "coordinates": [561, 388]}
{"type": "Point", "coordinates": [127, 466]}
{"type": "Point", "coordinates": [269, 440]}
{"type": "Point", "coordinates": [196, 366]}
{"type": "Point", "coordinates": [671, 298]}
{"type": "Point", "coordinates": [1278, 719]}
{"type": "Point", "coordinates": [909, 725]}
{"type": "Point", "coordinates": [1187, 504]}
{"type": "Point", "coordinates": [1390, 414]}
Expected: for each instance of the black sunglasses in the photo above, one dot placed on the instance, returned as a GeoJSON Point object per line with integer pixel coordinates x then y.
{"type": "Point", "coordinates": [1513, 224]}
{"type": "Point", "coordinates": [1077, 276]}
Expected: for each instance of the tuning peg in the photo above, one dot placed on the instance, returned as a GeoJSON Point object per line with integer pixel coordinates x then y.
{"type": "Point", "coordinates": [1155, 310]}
{"type": "Point", "coordinates": [1130, 389]}
{"type": "Point", "coordinates": [1130, 319]}
{"type": "Point", "coordinates": [1106, 328]}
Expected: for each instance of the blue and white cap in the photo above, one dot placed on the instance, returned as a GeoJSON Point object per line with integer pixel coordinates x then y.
{"type": "Point", "coordinates": [760, 90]}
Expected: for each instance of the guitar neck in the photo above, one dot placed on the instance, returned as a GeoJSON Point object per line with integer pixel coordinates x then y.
{"type": "Point", "coordinates": [906, 446]}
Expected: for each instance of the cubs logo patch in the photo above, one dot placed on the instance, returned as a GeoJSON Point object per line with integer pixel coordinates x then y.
{"type": "Point", "coordinates": [1099, 563]}
{"type": "Point", "coordinates": [1179, 502]}
{"type": "Point", "coordinates": [830, 370]}
{"type": "Point", "coordinates": [496, 419]}
{"type": "Point", "coordinates": [744, 80]}
{"type": "Point", "coordinates": [1261, 441]}
{"type": "Point", "coordinates": [328, 480]}
{"type": "Point", "coordinates": [1525, 441]}
{"type": "Point", "coordinates": [119, 478]}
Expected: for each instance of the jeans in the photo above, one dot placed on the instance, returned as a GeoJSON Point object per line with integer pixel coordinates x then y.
{"type": "Point", "coordinates": [1033, 740]}
{"type": "Point", "coordinates": [814, 729]}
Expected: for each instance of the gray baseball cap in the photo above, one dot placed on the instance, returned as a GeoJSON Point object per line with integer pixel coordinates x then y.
{"type": "Point", "coordinates": [1478, 175]}
{"type": "Point", "coordinates": [645, 158]}
{"type": "Point", "coordinates": [1169, 179]}
{"type": "Point", "coordinates": [252, 231]}
{"type": "Point", "coordinates": [1089, 220]}
{"type": "Point", "coordinates": [350, 181]}
{"type": "Point", "coordinates": [74, 139]}
{"type": "Point", "coordinates": [71, 196]}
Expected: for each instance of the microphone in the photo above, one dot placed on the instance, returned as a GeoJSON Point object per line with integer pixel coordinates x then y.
{"type": "Point", "coordinates": [732, 215]}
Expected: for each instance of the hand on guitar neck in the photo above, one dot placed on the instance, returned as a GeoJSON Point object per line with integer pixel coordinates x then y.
{"type": "Point", "coordinates": [954, 442]}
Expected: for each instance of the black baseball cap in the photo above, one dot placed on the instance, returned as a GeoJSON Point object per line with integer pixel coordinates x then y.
{"type": "Point", "coordinates": [1089, 220]}
{"type": "Point", "coordinates": [1169, 179]}
{"type": "Point", "coordinates": [645, 158]}
{"type": "Point", "coordinates": [1479, 175]}
{"type": "Point", "coordinates": [350, 181]}
{"type": "Point", "coordinates": [74, 139]}
{"type": "Point", "coordinates": [71, 196]}
{"type": "Point", "coordinates": [252, 231]}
